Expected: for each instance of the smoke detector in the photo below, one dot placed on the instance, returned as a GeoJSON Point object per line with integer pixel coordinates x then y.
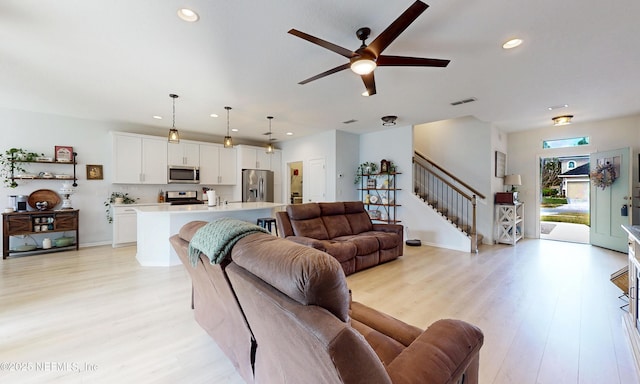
{"type": "Point", "coordinates": [389, 120]}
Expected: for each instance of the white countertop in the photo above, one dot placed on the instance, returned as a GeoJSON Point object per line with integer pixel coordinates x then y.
{"type": "Point", "coordinates": [196, 208]}
{"type": "Point", "coordinates": [634, 231]}
{"type": "Point", "coordinates": [133, 205]}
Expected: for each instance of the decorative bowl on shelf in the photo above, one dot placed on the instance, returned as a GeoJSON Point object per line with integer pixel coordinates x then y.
{"type": "Point", "coordinates": [63, 241]}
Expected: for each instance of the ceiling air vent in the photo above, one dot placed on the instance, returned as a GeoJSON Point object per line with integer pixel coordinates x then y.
{"type": "Point", "coordinates": [469, 100]}
{"type": "Point", "coordinates": [349, 121]}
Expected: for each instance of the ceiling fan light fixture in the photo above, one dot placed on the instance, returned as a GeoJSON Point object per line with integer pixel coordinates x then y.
{"type": "Point", "coordinates": [363, 66]}
{"type": "Point", "coordinates": [562, 120]}
{"type": "Point", "coordinates": [228, 141]}
{"type": "Point", "coordinates": [174, 136]}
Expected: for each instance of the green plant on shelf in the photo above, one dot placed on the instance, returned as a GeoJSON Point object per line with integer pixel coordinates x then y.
{"type": "Point", "coordinates": [366, 168]}
{"type": "Point", "coordinates": [11, 162]}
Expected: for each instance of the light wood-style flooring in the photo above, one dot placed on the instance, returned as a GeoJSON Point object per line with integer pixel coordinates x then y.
{"type": "Point", "coordinates": [548, 311]}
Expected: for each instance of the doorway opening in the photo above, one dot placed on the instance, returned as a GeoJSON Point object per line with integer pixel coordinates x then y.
{"type": "Point", "coordinates": [295, 182]}
{"type": "Point", "coordinates": [564, 198]}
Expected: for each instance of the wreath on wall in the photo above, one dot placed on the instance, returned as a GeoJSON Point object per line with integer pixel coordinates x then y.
{"type": "Point", "coordinates": [604, 175]}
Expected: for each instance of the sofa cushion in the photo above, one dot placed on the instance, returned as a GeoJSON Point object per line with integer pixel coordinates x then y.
{"type": "Point", "coordinates": [306, 275]}
{"type": "Point", "coordinates": [365, 245]}
{"type": "Point", "coordinates": [341, 250]}
{"type": "Point", "coordinates": [357, 216]}
{"type": "Point", "coordinates": [386, 240]}
{"type": "Point", "coordinates": [306, 221]}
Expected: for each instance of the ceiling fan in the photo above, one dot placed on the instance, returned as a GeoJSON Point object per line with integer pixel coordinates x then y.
{"type": "Point", "coordinates": [366, 58]}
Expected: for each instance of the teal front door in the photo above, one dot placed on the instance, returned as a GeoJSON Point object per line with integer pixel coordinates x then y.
{"type": "Point", "coordinates": [607, 201]}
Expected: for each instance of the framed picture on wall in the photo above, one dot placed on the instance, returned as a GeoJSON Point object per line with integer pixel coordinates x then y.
{"type": "Point", "coordinates": [501, 163]}
{"type": "Point", "coordinates": [63, 153]}
{"type": "Point", "coordinates": [94, 172]}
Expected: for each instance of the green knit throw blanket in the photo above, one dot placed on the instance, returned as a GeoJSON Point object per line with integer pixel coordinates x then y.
{"type": "Point", "coordinates": [215, 239]}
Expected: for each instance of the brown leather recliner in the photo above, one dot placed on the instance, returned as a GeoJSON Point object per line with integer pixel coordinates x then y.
{"type": "Point", "coordinates": [343, 230]}
{"type": "Point", "coordinates": [296, 302]}
{"type": "Point", "coordinates": [215, 306]}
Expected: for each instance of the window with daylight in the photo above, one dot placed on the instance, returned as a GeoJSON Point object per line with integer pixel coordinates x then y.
{"type": "Point", "coordinates": [566, 143]}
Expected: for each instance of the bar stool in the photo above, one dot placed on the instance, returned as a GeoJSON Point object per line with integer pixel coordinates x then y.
{"type": "Point", "coordinates": [265, 222]}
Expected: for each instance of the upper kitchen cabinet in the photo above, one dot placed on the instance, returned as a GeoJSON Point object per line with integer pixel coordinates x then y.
{"type": "Point", "coordinates": [139, 159]}
{"type": "Point", "coordinates": [253, 158]}
{"type": "Point", "coordinates": [218, 165]}
{"type": "Point", "coordinates": [183, 153]}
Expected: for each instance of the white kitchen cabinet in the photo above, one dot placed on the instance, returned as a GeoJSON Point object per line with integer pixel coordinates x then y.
{"type": "Point", "coordinates": [253, 157]}
{"type": "Point", "coordinates": [139, 159]}
{"type": "Point", "coordinates": [183, 153]}
{"type": "Point", "coordinates": [124, 225]}
{"type": "Point", "coordinates": [218, 165]}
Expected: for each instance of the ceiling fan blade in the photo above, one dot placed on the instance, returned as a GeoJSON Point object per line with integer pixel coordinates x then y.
{"type": "Point", "coordinates": [326, 73]}
{"type": "Point", "coordinates": [323, 43]}
{"type": "Point", "coordinates": [396, 28]}
{"type": "Point", "coordinates": [369, 83]}
{"type": "Point", "coordinates": [405, 61]}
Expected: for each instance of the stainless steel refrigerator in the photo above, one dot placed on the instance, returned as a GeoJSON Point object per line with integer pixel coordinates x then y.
{"type": "Point", "coordinates": [257, 185]}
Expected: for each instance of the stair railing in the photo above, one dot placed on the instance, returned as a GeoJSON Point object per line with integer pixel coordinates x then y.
{"type": "Point", "coordinates": [449, 195]}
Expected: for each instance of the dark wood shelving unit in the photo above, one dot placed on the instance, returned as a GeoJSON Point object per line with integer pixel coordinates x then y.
{"type": "Point", "coordinates": [379, 193]}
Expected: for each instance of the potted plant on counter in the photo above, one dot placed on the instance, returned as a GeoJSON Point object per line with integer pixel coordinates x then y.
{"type": "Point", "coordinates": [117, 198]}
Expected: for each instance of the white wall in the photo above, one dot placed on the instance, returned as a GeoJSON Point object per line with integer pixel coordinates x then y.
{"type": "Point", "coordinates": [465, 148]}
{"type": "Point", "coordinates": [322, 145]}
{"type": "Point", "coordinates": [525, 150]}
{"type": "Point", "coordinates": [347, 155]}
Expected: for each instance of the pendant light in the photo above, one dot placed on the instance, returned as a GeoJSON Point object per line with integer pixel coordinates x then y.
{"type": "Point", "coordinates": [270, 149]}
{"type": "Point", "coordinates": [228, 141]}
{"type": "Point", "coordinates": [174, 136]}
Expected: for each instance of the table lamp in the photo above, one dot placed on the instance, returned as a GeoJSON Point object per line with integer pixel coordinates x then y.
{"type": "Point", "coordinates": [512, 180]}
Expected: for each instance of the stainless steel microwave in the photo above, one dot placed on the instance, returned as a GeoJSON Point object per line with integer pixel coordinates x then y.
{"type": "Point", "coordinates": [183, 175]}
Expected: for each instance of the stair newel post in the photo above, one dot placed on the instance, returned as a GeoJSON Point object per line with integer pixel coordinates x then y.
{"type": "Point", "coordinates": [474, 236]}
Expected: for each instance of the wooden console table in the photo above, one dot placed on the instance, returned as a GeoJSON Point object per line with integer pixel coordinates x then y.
{"type": "Point", "coordinates": [34, 223]}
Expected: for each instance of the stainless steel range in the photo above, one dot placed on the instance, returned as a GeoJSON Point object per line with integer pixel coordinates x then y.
{"type": "Point", "coordinates": [182, 197]}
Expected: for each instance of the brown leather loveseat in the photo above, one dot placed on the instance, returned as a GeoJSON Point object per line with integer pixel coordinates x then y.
{"type": "Point", "coordinates": [298, 326]}
{"type": "Point", "coordinates": [343, 230]}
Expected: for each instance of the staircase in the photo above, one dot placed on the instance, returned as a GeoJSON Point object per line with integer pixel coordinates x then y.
{"type": "Point", "coordinates": [446, 194]}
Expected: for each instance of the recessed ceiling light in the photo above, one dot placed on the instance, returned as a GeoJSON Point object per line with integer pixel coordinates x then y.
{"type": "Point", "coordinates": [289, 133]}
{"type": "Point", "coordinates": [234, 129]}
{"type": "Point", "coordinates": [213, 115]}
{"type": "Point", "coordinates": [157, 117]}
{"type": "Point", "coordinates": [557, 106]}
{"type": "Point", "coordinates": [187, 14]}
{"type": "Point", "coordinates": [512, 43]}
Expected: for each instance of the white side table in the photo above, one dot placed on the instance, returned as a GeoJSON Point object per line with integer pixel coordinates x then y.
{"type": "Point", "coordinates": [509, 223]}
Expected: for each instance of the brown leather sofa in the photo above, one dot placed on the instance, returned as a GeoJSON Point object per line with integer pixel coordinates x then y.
{"type": "Point", "coordinates": [298, 326]}
{"type": "Point", "coordinates": [343, 230]}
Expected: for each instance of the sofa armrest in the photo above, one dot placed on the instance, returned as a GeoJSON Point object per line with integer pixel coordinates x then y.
{"type": "Point", "coordinates": [385, 324]}
{"type": "Point", "coordinates": [309, 242]}
{"type": "Point", "coordinates": [442, 354]}
{"type": "Point", "coordinates": [393, 228]}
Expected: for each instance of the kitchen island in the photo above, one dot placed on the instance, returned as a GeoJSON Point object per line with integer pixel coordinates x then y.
{"type": "Point", "coordinates": [157, 223]}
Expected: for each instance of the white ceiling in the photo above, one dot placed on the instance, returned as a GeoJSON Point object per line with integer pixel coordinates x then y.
{"type": "Point", "coordinates": [118, 60]}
